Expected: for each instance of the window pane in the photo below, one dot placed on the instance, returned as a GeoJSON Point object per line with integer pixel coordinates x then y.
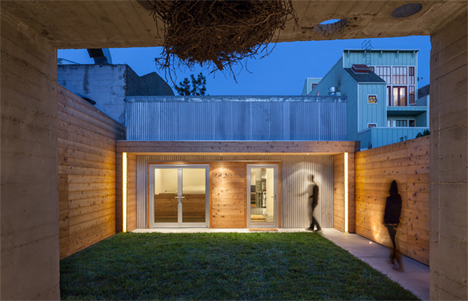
{"type": "Point", "coordinates": [165, 192]}
{"type": "Point", "coordinates": [194, 192]}
{"type": "Point", "coordinates": [412, 99]}
{"type": "Point", "coordinates": [399, 75]}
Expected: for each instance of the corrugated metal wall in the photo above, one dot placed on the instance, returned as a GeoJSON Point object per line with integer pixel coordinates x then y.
{"type": "Point", "coordinates": [384, 58]}
{"type": "Point", "coordinates": [236, 118]}
{"type": "Point", "coordinates": [294, 183]}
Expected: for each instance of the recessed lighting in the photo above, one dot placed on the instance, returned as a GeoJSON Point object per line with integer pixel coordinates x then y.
{"type": "Point", "coordinates": [407, 10]}
{"type": "Point", "coordinates": [370, 242]}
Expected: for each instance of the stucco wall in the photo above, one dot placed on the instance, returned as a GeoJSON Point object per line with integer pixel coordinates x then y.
{"type": "Point", "coordinates": [29, 206]}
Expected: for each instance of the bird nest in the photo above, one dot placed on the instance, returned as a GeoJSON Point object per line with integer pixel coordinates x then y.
{"type": "Point", "coordinates": [217, 34]}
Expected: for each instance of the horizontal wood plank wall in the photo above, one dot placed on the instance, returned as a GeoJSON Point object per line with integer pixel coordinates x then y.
{"type": "Point", "coordinates": [228, 186]}
{"type": "Point", "coordinates": [408, 163]}
{"type": "Point", "coordinates": [86, 165]}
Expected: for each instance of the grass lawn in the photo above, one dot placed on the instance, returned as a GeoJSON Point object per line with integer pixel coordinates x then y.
{"type": "Point", "coordinates": [219, 266]}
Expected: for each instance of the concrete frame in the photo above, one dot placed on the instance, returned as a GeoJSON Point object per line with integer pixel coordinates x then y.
{"type": "Point", "coordinates": [32, 31]}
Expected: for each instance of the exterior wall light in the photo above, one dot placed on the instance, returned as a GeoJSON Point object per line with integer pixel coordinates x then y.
{"type": "Point", "coordinates": [124, 192]}
{"type": "Point", "coordinates": [346, 191]}
{"type": "Point", "coordinates": [407, 10]}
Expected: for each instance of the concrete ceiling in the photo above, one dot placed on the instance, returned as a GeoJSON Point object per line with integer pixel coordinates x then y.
{"type": "Point", "coordinates": [107, 24]}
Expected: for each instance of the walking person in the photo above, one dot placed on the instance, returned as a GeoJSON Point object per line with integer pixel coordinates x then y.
{"type": "Point", "coordinates": [313, 199]}
{"type": "Point", "coordinates": [391, 220]}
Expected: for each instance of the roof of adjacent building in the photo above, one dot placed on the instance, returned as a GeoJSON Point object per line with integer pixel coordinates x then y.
{"type": "Point", "coordinates": [370, 77]}
{"type": "Point", "coordinates": [379, 50]}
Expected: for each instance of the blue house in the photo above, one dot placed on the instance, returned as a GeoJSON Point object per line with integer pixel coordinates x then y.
{"type": "Point", "coordinates": [382, 95]}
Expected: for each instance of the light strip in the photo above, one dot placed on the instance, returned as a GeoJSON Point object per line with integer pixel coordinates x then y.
{"type": "Point", "coordinates": [346, 191]}
{"type": "Point", "coordinates": [124, 192]}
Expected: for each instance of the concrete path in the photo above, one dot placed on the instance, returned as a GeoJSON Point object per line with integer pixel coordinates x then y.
{"type": "Point", "coordinates": [414, 278]}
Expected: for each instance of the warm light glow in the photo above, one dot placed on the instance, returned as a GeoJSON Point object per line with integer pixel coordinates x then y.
{"type": "Point", "coordinates": [370, 242]}
{"type": "Point", "coordinates": [346, 190]}
{"type": "Point", "coordinates": [124, 192]}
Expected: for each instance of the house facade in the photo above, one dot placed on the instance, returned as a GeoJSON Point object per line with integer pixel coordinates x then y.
{"type": "Point", "coordinates": [382, 96]}
{"type": "Point", "coordinates": [235, 162]}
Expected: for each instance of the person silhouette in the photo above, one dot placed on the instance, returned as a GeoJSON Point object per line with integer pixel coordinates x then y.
{"type": "Point", "coordinates": [391, 220]}
{"type": "Point", "coordinates": [313, 199]}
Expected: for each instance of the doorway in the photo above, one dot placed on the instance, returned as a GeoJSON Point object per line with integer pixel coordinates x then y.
{"type": "Point", "coordinates": [178, 195]}
{"type": "Point", "coordinates": [262, 195]}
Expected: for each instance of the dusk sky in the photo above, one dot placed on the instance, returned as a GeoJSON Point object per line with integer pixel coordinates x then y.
{"type": "Point", "coordinates": [283, 72]}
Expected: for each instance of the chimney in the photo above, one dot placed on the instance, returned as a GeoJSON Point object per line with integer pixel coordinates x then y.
{"type": "Point", "coordinates": [101, 56]}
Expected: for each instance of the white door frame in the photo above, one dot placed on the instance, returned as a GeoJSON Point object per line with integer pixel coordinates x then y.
{"type": "Point", "coordinates": [180, 196]}
{"type": "Point", "coordinates": [276, 196]}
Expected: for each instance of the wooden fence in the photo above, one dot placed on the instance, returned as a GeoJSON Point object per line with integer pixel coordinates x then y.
{"type": "Point", "coordinates": [408, 163]}
{"type": "Point", "coordinates": [86, 167]}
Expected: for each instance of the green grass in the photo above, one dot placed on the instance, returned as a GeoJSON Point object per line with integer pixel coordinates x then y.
{"type": "Point", "coordinates": [219, 266]}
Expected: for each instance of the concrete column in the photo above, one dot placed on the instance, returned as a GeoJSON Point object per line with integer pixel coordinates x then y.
{"type": "Point", "coordinates": [29, 177]}
{"type": "Point", "coordinates": [448, 162]}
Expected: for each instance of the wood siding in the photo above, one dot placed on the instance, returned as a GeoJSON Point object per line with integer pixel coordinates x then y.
{"type": "Point", "coordinates": [237, 147]}
{"type": "Point", "coordinates": [228, 188]}
{"type": "Point", "coordinates": [407, 163]}
{"type": "Point", "coordinates": [86, 166]}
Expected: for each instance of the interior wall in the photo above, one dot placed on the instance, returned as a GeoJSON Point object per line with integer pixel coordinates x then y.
{"type": "Point", "coordinates": [408, 164]}
{"type": "Point", "coordinates": [29, 180]}
{"type": "Point", "coordinates": [87, 169]}
{"type": "Point", "coordinates": [448, 160]}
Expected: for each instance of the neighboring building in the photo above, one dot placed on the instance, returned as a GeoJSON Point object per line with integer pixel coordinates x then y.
{"type": "Point", "coordinates": [382, 107]}
{"type": "Point", "coordinates": [109, 85]}
{"type": "Point", "coordinates": [310, 84]}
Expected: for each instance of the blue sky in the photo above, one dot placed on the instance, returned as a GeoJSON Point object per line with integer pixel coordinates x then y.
{"type": "Point", "coordinates": [283, 72]}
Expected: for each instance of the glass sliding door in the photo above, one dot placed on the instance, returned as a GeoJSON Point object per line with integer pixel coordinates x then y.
{"type": "Point", "coordinates": [166, 203]}
{"type": "Point", "coordinates": [178, 196]}
{"type": "Point", "coordinates": [262, 195]}
{"type": "Point", "coordinates": [194, 195]}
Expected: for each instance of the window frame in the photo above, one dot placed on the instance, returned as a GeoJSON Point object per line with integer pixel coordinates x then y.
{"type": "Point", "coordinates": [368, 99]}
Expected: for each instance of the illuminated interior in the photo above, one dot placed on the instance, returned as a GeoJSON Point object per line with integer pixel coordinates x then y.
{"type": "Point", "coordinates": [174, 206]}
{"type": "Point", "coordinates": [262, 206]}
